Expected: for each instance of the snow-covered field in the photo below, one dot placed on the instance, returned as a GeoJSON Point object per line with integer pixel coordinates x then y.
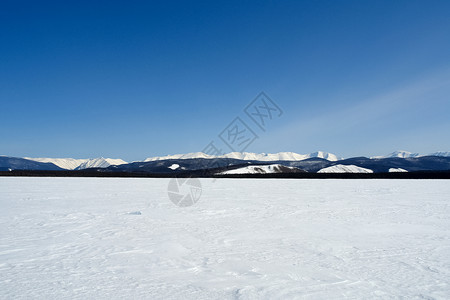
{"type": "Point", "coordinates": [248, 239]}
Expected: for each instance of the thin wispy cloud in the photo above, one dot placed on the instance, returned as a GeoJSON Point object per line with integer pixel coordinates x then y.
{"type": "Point", "coordinates": [364, 114]}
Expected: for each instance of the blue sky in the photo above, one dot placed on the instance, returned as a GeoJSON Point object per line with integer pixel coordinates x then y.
{"type": "Point", "coordinates": [133, 80]}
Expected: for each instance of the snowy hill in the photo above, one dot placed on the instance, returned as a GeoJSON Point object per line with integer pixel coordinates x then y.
{"type": "Point", "coordinates": [79, 164]}
{"type": "Point", "coordinates": [100, 163]}
{"type": "Point", "coordinates": [345, 169]}
{"type": "Point", "coordinates": [264, 169]}
{"type": "Point", "coordinates": [391, 170]}
{"type": "Point", "coordinates": [287, 156]}
{"type": "Point", "coordinates": [65, 163]}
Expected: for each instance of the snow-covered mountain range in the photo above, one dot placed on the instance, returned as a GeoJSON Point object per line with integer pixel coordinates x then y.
{"type": "Point", "coordinates": [288, 156]}
{"type": "Point", "coordinates": [291, 156]}
{"type": "Point", "coordinates": [407, 154]}
{"type": "Point", "coordinates": [322, 162]}
{"type": "Point", "coordinates": [399, 153]}
{"type": "Point", "coordinates": [80, 164]}
{"type": "Point", "coordinates": [65, 163]}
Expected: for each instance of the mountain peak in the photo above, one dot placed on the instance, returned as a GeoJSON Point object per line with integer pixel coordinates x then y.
{"type": "Point", "coordinates": [100, 163]}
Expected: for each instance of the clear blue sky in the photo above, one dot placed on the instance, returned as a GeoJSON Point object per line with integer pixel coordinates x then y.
{"type": "Point", "coordinates": [136, 79]}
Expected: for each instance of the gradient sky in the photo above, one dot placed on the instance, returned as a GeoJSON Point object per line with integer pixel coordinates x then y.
{"type": "Point", "coordinates": [139, 79]}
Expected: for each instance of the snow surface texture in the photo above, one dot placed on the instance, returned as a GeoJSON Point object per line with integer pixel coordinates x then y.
{"type": "Point", "coordinates": [79, 164]}
{"type": "Point", "coordinates": [345, 169]}
{"type": "Point", "coordinates": [291, 156]}
{"type": "Point", "coordinates": [121, 238]}
{"type": "Point", "coordinates": [267, 169]}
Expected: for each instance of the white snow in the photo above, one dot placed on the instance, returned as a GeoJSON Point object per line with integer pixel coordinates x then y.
{"type": "Point", "coordinates": [397, 170]}
{"type": "Point", "coordinates": [121, 238]}
{"type": "Point", "coordinates": [267, 169]}
{"type": "Point", "coordinates": [174, 166]}
{"type": "Point", "coordinates": [345, 169]}
{"type": "Point", "coordinates": [100, 163]}
{"type": "Point", "coordinates": [253, 156]}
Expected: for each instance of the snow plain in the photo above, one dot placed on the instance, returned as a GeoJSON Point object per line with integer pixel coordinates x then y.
{"type": "Point", "coordinates": [117, 238]}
